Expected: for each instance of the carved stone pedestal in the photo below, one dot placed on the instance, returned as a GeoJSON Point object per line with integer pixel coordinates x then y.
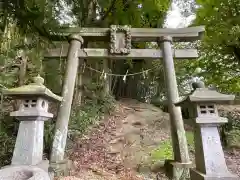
{"type": "Point", "coordinates": [210, 160]}
{"type": "Point", "coordinates": [23, 173]}
{"type": "Point", "coordinates": [196, 175]}
{"type": "Point", "coordinates": [29, 144]}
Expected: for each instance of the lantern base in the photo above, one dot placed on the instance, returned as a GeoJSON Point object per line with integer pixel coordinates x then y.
{"type": "Point", "coordinates": [196, 175]}
{"type": "Point", "coordinates": [23, 172]}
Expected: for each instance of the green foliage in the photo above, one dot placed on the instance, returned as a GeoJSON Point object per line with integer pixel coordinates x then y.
{"type": "Point", "coordinates": [31, 16]}
{"type": "Point", "coordinates": [49, 127]}
{"type": "Point", "coordinates": [53, 76]}
{"type": "Point", "coordinates": [7, 137]}
{"type": "Point", "coordinates": [233, 138]}
{"type": "Point", "coordinates": [220, 48]}
{"type": "Point", "coordinates": [165, 151]}
{"type": "Point", "coordinates": [141, 13]}
{"type": "Point", "coordinates": [190, 140]}
{"type": "Point", "coordinates": [90, 111]}
{"type": "Point", "coordinates": [230, 134]}
{"type": "Point", "coordinates": [7, 145]}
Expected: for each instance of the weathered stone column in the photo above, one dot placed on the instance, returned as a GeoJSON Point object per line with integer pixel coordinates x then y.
{"type": "Point", "coordinates": [179, 141]}
{"type": "Point", "coordinates": [64, 111]}
{"type": "Point", "coordinates": [203, 113]}
{"type": "Point", "coordinates": [32, 113]}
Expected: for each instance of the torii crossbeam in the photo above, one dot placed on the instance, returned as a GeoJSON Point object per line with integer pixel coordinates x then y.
{"type": "Point", "coordinates": [137, 34]}
{"type": "Point", "coordinates": [120, 38]}
{"type": "Point", "coordinates": [90, 53]}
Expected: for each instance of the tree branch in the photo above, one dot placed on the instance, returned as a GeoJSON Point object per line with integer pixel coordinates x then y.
{"type": "Point", "coordinates": [110, 9]}
{"type": "Point", "coordinates": [12, 65]}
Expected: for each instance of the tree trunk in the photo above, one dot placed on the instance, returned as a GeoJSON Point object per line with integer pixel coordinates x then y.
{"type": "Point", "coordinates": [79, 84]}
{"type": "Point", "coordinates": [22, 70]}
{"type": "Point", "coordinates": [21, 76]}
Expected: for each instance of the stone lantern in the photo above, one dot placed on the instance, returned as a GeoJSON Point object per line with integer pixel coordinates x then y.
{"type": "Point", "coordinates": [33, 111]}
{"type": "Point", "coordinates": [203, 115]}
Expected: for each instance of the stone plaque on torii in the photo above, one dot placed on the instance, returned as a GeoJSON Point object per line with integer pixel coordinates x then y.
{"type": "Point", "coordinates": [120, 39]}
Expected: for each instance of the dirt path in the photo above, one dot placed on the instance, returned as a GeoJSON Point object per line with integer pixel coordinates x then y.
{"type": "Point", "coordinates": [119, 147]}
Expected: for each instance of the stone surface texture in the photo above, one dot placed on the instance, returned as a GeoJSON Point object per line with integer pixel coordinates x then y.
{"type": "Point", "coordinates": [23, 173]}
{"type": "Point", "coordinates": [29, 144]}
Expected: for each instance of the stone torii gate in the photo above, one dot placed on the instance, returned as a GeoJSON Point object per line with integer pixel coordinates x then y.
{"type": "Point", "coordinates": [120, 38]}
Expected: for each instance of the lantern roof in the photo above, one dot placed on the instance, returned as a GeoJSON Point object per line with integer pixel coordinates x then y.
{"type": "Point", "coordinates": [207, 95]}
{"type": "Point", "coordinates": [33, 89]}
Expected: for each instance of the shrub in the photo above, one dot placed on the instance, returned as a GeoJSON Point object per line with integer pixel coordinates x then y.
{"type": "Point", "coordinates": [90, 112]}
{"type": "Point", "coordinates": [8, 133]}
{"type": "Point", "coordinates": [230, 132]}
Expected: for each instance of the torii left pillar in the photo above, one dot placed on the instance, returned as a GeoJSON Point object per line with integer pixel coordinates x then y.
{"type": "Point", "coordinates": [61, 129]}
{"type": "Point", "coordinates": [179, 167]}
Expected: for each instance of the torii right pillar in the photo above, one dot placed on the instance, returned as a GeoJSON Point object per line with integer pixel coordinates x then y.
{"type": "Point", "coordinates": [179, 167]}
